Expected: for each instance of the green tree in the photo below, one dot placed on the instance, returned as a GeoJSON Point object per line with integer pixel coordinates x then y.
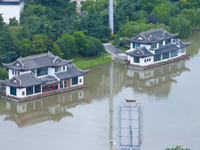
{"type": "Point", "coordinates": [178, 148]}
{"type": "Point", "coordinates": [38, 45]}
{"type": "Point", "coordinates": [92, 25]}
{"type": "Point", "coordinates": [7, 45]}
{"type": "Point", "coordinates": [13, 22]}
{"type": "Point", "coordinates": [24, 47]}
{"type": "Point", "coordinates": [162, 11]}
{"type": "Point", "coordinates": [3, 74]}
{"type": "Point", "coordinates": [67, 44]}
{"type": "Point", "coordinates": [56, 50]}
{"type": "Point", "coordinates": [95, 48]}
{"type": "Point", "coordinates": [181, 25]}
{"type": "Point", "coordinates": [81, 41]}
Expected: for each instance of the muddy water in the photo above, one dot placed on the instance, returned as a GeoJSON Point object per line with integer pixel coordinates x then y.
{"type": "Point", "coordinates": [87, 119]}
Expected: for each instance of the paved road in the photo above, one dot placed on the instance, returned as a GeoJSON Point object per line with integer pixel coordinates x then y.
{"type": "Point", "coordinates": [116, 53]}
{"type": "Point", "coordinates": [112, 50]}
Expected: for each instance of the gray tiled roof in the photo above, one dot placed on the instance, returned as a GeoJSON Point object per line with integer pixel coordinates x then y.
{"type": "Point", "coordinates": [48, 80]}
{"type": "Point", "coordinates": [140, 52]}
{"type": "Point", "coordinates": [71, 72]}
{"type": "Point", "coordinates": [152, 36]}
{"type": "Point", "coordinates": [166, 48]}
{"type": "Point", "coordinates": [24, 80]}
{"type": "Point", "coordinates": [170, 47]}
{"type": "Point", "coordinates": [37, 61]}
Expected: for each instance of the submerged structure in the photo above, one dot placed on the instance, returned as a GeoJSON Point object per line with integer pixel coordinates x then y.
{"type": "Point", "coordinates": [41, 75]}
{"type": "Point", "coordinates": [154, 48]}
{"type": "Point", "coordinates": [11, 8]}
{"type": "Point", "coordinates": [130, 125]}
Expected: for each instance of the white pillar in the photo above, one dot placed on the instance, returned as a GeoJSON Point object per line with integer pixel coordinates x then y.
{"type": "Point", "coordinates": [111, 17]}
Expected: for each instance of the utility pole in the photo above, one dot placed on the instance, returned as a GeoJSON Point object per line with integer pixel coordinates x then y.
{"type": "Point", "coordinates": [111, 24]}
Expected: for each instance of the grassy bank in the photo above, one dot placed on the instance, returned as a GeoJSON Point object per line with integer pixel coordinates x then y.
{"type": "Point", "coordinates": [84, 63]}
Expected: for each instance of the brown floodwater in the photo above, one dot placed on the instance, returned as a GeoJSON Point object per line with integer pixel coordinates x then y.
{"type": "Point", "coordinates": [87, 119]}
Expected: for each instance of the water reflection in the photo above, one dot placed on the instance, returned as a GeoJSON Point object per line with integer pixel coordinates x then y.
{"type": "Point", "coordinates": [49, 108]}
{"type": "Point", "coordinates": [156, 81]}
{"type": "Point", "coordinates": [103, 81]}
{"type": "Point", "coordinates": [193, 49]}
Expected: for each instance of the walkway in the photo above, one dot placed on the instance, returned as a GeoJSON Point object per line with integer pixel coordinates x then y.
{"type": "Point", "coordinates": [116, 53]}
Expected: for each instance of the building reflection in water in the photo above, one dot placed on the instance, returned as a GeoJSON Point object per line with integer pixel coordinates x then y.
{"type": "Point", "coordinates": [156, 81]}
{"type": "Point", "coordinates": [44, 109]}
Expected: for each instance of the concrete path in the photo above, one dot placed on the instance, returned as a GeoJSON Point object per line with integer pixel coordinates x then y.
{"type": "Point", "coordinates": [116, 53]}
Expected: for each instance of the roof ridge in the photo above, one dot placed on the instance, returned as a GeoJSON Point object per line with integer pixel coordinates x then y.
{"type": "Point", "coordinates": [36, 56]}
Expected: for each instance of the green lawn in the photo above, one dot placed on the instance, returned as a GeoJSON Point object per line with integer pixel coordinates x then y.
{"type": "Point", "coordinates": [83, 63]}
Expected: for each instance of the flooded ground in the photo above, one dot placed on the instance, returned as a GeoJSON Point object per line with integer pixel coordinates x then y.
{"type": "Point", "coordinates": [87, 119]}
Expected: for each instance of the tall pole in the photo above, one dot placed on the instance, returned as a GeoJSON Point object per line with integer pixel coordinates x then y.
{"type": "Point", "coordinates": [111, 24]}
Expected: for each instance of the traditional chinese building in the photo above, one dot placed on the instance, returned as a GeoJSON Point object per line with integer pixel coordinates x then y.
{"type": "Point", "coordinates": [154, 48]}
{"type": "Point", "coordinates": [41, 75]}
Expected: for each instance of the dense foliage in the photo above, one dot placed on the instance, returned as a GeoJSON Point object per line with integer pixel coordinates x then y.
{"type": "Point", "coordinates": [178, 148]}
{"type": "Point", "coordinates": [55, 25]}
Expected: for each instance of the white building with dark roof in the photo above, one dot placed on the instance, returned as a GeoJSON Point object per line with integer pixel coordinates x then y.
{"type": "Point", "coordinates": [11, 8]}
{"type": "Point", "coordinates": [41, 75]}
{"type": "Point", "coordinates": [154, 48]}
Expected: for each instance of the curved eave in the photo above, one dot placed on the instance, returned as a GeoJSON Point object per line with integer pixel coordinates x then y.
{"type": "Point", "coordinates": [141, 56]}
{"type": "Point", "coordinates": [131, 40]}
{"type": "Point", "coordinates": [183, 44]}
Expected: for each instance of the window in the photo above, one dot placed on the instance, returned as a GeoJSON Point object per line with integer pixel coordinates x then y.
{"type": "Point", "coordinates": [75, 81]}
{"type": "Point", "coordinates": [168, 41]}
{"type": "Point", "coordinates": [174, 53]}
{"type": "Point", "coordinates": [42, 71]}
{"type": "Point", "coordinates": [80, 80]}
{"type": "Point", "coordinates": [149, 59]}
{"type": "Point", "coordinates": [23, 93]}
{"type": "Point", "coordinates": [50, 88]}
{"type": "Point", "coordinates": [55, 86]}
{"type": "Point", "coordinates": [161, 43]}
{"type": "Point", "coordinates": [13, 91]}
{"type": "Point", "coordinates": [29, 90]}
{"type": "Point", "coordinates": [65, 83]}
{"type": "Point", "coordinates": [157, 57]}
{"type": "Point", "coordinates": [165, 55]}
{"type": "Point", "coordinates": [57, 69]}
{"type": "Point", "coordinates": [44, 88]}
{"type": "Point", "coordinates": [63, 68]}
{"type": "Point", "coordinates": [136, 45]}
{"type": "Point", "coordinates": [145, 60]}
{"type": "Point", "coordinates": [154, 45]}
{"type": "Point", "coordinates": [37, 89]}
{"type": "Point", "coordinates": [18, 72]}
{"type": "Point", "coordinates": [13, 72]}
{"type": "Point", "coordinates": [61, 84]}
{"type": "Point", "coordinates": [136, 59]}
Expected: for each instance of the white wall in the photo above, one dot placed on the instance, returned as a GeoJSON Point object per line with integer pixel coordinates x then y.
{"type": "Point", "coordinates": [80, 78]}
{"type": "Point", "coordinates": [19, 92]}
{"type": "Point", "coordinates": [10, 73]}
{"type": "Point", "coordinates": [24, 72]}
{"type": "Point", "coordinates": [7, 90]}
{"type": "Point", "coordinates": [20, 72]}
{"type": "Point", "coordinates": [51, 71]}
{"type": "Point", "coordinates": [143, 63]}
{"type": "Point", "coordinates": [10, 11]}
{"type": "Point", "coordinates": [79, 83]}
